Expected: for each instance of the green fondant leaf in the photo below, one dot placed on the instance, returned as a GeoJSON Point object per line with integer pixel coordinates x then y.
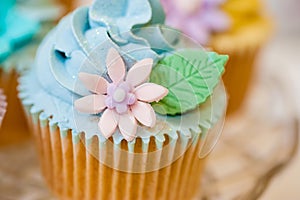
{"type": "Point", "coordinates": [190, 75]}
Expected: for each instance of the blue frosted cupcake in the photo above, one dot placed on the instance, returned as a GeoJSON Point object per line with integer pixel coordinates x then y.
{"type": "Point", "coordinates": [16, 52]}
{"type": "Point", "coordinates": [119, 108]}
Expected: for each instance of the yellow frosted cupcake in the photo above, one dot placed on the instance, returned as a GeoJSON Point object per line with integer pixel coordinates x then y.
{"type": "Point", "coordinates": [118, 109]}
{"type": "Point", "coordinates": [249, 32]}
{"type": "Point", "coordinates": [238, 28]}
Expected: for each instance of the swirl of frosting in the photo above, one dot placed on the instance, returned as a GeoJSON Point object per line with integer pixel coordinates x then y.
{"type": "Point", "coordinates": [119, 24]}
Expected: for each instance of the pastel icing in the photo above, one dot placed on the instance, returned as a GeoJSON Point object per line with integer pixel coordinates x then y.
{"type": "Point", "coordinates": [242, 12]}
{"type": "Point", "coordinates": [15, 29]}
{"type": "Point", "coordinates": [198, 18]}
{"type": "Point", "coordinates": [71, 66]}
{"type": "Point", "coordinates": [203, 20]}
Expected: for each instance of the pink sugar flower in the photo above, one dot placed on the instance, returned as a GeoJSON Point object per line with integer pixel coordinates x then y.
{"type": "Point", "coordinates": [124, 101]}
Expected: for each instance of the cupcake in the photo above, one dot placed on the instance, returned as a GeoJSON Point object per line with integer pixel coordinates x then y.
{"type": "Point", "coordinates": [120, 108]}
{"type": "Point", "coordinates": [237, 28]}
{"type": "Point", "coordinates": [16, 31]}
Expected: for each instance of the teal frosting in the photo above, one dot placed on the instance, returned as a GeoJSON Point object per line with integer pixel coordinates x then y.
{"type": "Point", "coordinates": [4, 9]}
{"type": "Point", "coordinates": [80, 43]}
{"type": "Point", "coordinates": [15, 29]}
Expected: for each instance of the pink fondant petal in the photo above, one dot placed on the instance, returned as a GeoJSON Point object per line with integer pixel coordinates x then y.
{"type": "Point", "coordinates": [108, 123]}
{"type": "Point", "coordinates": [140, 72]}
{"type": "Point", "coordinates": [144, 113]}
{"type": "Point", "coordinates": [150, 92]}
{"type": "Point", "coordinates": [91, 104]}
{"type": "Point", "coordinates": [94, 83]}
{"type": "Point", "coordinates": [115, 66]}
{"type": "Point", "coordinates": [128, 126]}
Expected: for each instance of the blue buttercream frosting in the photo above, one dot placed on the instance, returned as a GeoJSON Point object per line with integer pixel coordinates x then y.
{"type": "Point", "coordinates": [80, 43]}
{"type": "Point", "coordinates": [15, 29]}
{"type": "Point", "coordinates": [81, 40]}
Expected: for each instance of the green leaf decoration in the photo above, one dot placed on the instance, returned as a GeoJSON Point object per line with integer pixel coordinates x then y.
{"type": "Point", "coordinates": [190, 76]}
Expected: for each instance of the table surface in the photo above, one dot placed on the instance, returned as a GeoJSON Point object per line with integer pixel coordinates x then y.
{"type": "Point", "coordinates": [287, 64]}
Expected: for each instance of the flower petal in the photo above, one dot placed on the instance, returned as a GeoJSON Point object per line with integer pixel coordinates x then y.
{"type": "Point", "coordinates": [144, 113]}
{"type": "Point", "coordinates": [115, 66]}
{"type": "Point", "coordinates": [108, 123]}
{"type": "Point", "coordinates": [94, 83]}
{"type": "Point", "coordinates": [150, 92]}
{"type": "Point", "coordinates": [139, 72]}
{"type": "Point", "coordinates": [91, 104]}
{"type": "Point", "coordinates": [128, 126]}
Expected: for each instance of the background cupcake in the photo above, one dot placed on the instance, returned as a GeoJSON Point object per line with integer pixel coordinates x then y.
{"type": "Point", "coordinates": [238, 28]}
{"type": "Point", "coordinates": [16, 31]}
{"type": "Point", "coordinates": [25, 24]}
{"type": "Point", "coordinates": [120, 102]}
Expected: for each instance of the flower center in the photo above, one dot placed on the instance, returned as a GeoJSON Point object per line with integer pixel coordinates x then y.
{"type": "Point", "coordinates": [119, 95]}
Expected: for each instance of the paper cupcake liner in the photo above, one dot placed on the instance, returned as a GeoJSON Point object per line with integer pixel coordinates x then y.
{"type": "Point", "coordinates": [73, 173]}
{"type": "Point", "coordinates": [14, 127]}
{"type": "Point", "coordinates": [238, 75]}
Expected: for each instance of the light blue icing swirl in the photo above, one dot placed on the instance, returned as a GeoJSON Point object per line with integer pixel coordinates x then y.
{"type": "Point", "coordinates": [71, 46]}
{"type": "Point", "coordinates": [80, 42]}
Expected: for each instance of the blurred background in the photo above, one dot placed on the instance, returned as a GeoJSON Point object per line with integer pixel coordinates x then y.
{"type": "Point", "coordinates": [283, 54]}
{"type": "Point", "coordinates": [278, 60]}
